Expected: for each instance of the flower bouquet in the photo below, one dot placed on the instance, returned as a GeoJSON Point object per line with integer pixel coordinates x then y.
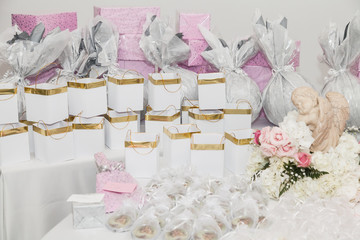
{"type": "Point", "coordinates": [282, 161]}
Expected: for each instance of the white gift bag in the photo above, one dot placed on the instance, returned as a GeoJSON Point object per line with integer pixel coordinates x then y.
{"type": "Point", "coordinates": [46, 102]}
{"type": "Point", "coordinates": [207, 154]}
{"type": "Point", "coordinates": [238, 150]}
{"type": "Point", "coordinates": [156, 120]}
{"type": "Point", "coordinates": [14, 144]}
{"type": "Point", "coordinates": [116, 127]}
{"type": "Point", "coordinates": [211, 87]}
{"type": "Point", "coordinates": [164, 89]}
{"type": "Point", "coordinates": [126, 92]}
{"type": "Point", "coordinates": [8, 103]}
{"type": "Point", "coordinates": [54, 143]}
{"type": "Point", "coordinates": [209, 121]}
{"type": "Point", "coordinates": [237, 115]}
{"type": "Point", "coordinates": [187, 104]}
{"type": "Point", "coordinates": [176, 142]}
{"type": "Point", "coordinates": [89, 136]}
{"type": "Point", "coordinates": [87, 96]}
{"type": "Point", "coordinates": [141, 154]}
{"type": "Point", "coordinates": [30, 133]}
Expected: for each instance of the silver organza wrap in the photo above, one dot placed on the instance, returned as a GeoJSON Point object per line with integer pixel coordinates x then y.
{"type": "Point", "coordinates": [278, 48]}
{"type": "Point", "coordinates": [230, 60]}
{"type": "Point", "coordinates": [340, 52]}
{"type": "Point", "coordinates": [164, 49]}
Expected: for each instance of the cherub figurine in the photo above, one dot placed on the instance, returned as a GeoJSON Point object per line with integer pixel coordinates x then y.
{"type": "Point", "coordinates": [326, 117]}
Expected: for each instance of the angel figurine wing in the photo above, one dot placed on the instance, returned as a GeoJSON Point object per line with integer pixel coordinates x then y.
{"type": "Point", "coordinates": [340, 108]}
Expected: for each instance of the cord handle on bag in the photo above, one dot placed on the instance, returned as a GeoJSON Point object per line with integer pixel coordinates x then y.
{"type": "Point", "coordinates": [163, 81]}
{"type": "Point", "coordinates": [128, 119]}
{"type": "Point", "coordinates": [157, 138]}
{"type": "Point", "coordinates": [2, 130]}
{"type": "Point", "coordinates": [84, 126]}
{"type": "Point", "coordinates": [241, 101]}
{"type": "Point", "coordinates": [51, 135]}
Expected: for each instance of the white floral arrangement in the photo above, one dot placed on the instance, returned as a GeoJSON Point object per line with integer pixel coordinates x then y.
{"type": "Point", "coordinates": [281, 160]}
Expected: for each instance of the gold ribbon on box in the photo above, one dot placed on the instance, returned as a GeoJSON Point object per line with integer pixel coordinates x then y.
{"type": "Point", "coordinates": [45, 92]}
{"type": "Point", "coordinates": [236, 141]}
{"type": "Point", "coordinates": [162, 118]}
{"type": "Point", "coordinates": [215, 116]}
{"type": "Point", "coordinates": [211, 81]}
{"type": "Point", "coordinates": [186, 108]}
{"type": "Point", "coordinates": [178, 135]}
{"type": "Point", "coordinates": [4, 133]}
{"type": "Point", "coordinates": [82, 126]}
{"type": "Point", "coordinates": [100, 83]}
{"type": "Point", "coordinates": [121, 119]}
{"type": "Point", "coordinates": [126, 81]}
{"type": "Point", "coordinates": [207, 146]}
{"type": "Point", "coordinates": [165, 81]}
{"type": "Point", "coordinates": [6, 91]}
{"type": "Point", "coordinates": [50, 132]}
{"type": "Point", "coordinates": [237, 111]}
{"type": "Point", "coordinates": [130, 144]}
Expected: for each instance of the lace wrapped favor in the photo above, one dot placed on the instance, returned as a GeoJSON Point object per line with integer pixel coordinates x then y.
{"type": "Point", "coordinates": [340, 52]}
{"type": "Point", "coordinates": [164, 49]}
{"type": "Point", "coordinates": [239, 86]}
{"type": "Point", "coordinates": [278, 48]}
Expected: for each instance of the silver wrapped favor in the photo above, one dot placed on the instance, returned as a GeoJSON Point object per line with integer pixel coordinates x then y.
{"type": "Point", "coordinates": [340, 51]}
{"type": "Point", "coordinates": [278, 48]}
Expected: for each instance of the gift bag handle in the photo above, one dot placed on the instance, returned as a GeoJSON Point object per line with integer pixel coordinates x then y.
{"type": "Point", "coordinates": [191, 102]}
{"type": "Point", "coordinates": [47, 129]}
{"type": "Point", "coordinates": [241, 101]}
{"type": "Point", "coordinates": [6, 99]}
{"type": "Point", "coordinates": [3, 128]}
{"type": "Point", "coordinates": [212, 121]}
{"type": "Point", "coordinates": [37, 74]}
{"type": "Point", "coordinates": [167, 108]}
{"type": "Point", "coordinates": [128, 118]}
{"type": "Point", "coordinates": [84, 126]}
{"type": "Point", "coordinates": [88, 74]}
{"type": "Point", "coordinates": [133, 147]}
{"type": "Point", "coordinates": [163, 81]}
{"type": "Point", "coordinates": [129, 70]}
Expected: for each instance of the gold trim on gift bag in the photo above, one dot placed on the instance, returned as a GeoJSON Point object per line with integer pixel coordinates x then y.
{"type": "Point", "coordinates": [179, 135]}
{"type": "Point", "coordinates": [123, 81]}
{"type": "Point", "coordinates": [165, 82]}
{"type": "Point", "coordinates": [78, 85]}
{"type": "Point", "coordinates": [13, 131]}
{"type": "Point", "coordinates": [91, 126]}
{"type": "Point", "coordinates": [237, 110]}
{"type": "Point", "coordinates": [234, 140]}
{"type": "Point", "coordinates": [163, 118]}
{"type": "Point", "coordinates": [186, 108]}
{"type": "Point", "coordinates": [127, 119]}
{"type": "Point", "coordinates": [220, 146]}
{"type": "Point", "coordinates": [8, 91]}
{"type": "Point", "coordinates": [208, 117]}
{"type": "Point", "coordinates": [50, 132]}
{"type": "Point", "coordinates": [210, 81]}
{"type": "Point", "coordinates": [134, 145]}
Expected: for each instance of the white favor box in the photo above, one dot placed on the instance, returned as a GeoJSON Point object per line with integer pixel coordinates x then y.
{"type": "Point", "coordinates": [8, 103]}
{"type": "Point", "coordinates": [54, 143]}
{"type": "Point", "coordinates": [89, 136]}
{"type": "Point", "coordinates": [126, 93]}
{"type": "Point", "coordinates": [212, 93]}
{"type": "Point", "coordinates": [46, 102]}
{"type": "Point", "coordinates": [237, 116]}
{"type": "Point", "coordinates": [176, 141]}
{"type": "Point", "coordinates": [164, 89]}
{"type": "Point", "coordinates": [116, 127]}
{"type": "Point", "coordinates": [209, 121]}
{"type": "Point", "coordinates": [14, 144]}
{"type": "Point", "coordinates": [187, 104]}
{"type": "Point", "coordinates": [156, 120]}
{"type": "Point", "coordinates": [207, 154]}
{"type": "Point", "coordinates": [238, 150]}
{"type": "Point", "coordinates": [30, 133]}
{"type": "Point", "coordinates": [87, 96]}
{"type": "Point", "coordinates": [142, 154]}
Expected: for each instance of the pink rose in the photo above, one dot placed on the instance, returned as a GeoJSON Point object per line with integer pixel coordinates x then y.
{"type": "Point", "coordinates": [287, 150]}
{"type": "Point", "coordinates": [303, 159]}
{"type": "Point", "coordinates": [265, 135]}
{"type": "Point", "coordinates": [256, 137]}
{"type": "Point", "coordinates": [278, 137]}
{"type": "Point", "coordinates": [267, 149]}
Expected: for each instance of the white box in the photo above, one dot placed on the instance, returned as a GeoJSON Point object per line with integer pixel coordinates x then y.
{"type": "Point", "coordinates": [30, 133]}
{"type": "Point", "coordinates": [142, 154]}
{"type": "Point", "coordinates": [89, 136]}
{"type": "Point", "coordinates": [54, 143]}
{"type": "Point", "coordinates": [14, 144]}
{"type": "Point", "coordinates": [87, 96]}
{"type": "Point", "coordinates": [116, 127]}
{"type": "Point", "coordinates": [126, 92]}
{"type": "Point", "coordinates": [209, 121]}
{"type": "Point", "coordinates": [207, 154]}
{"type": "Point", "coordinates": [176, 142]}
{"type": "Point", "coordinates": [237, 115]}
{"type": "Point", "coordinates": [8, 103]}
{"type": "Point", "coordinates": [187, 104]}
{"type": "Point", "coordinates": [156, 120]}
{"type": "Point", "coordinates": [212, 91]}
{"type": "Point", "coordinates": [238, 150]}
{"type": "Point", "coordinates": [46, 102]}
{"type": "Point", "coordinates": [164, 89]}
